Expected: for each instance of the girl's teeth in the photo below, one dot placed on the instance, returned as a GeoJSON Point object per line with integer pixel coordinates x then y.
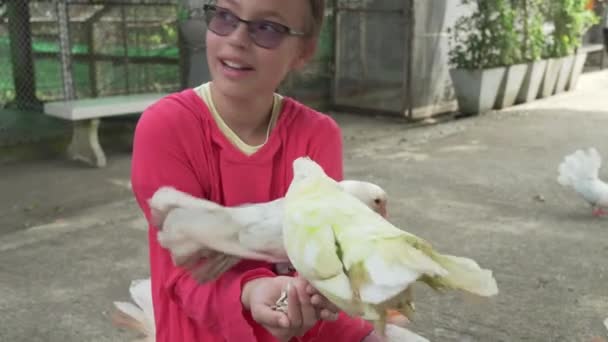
{"type": "Point", "coordinates": [234, 65]}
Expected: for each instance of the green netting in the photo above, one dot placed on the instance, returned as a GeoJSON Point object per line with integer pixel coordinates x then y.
{"type": "Point", "coordinates": [111, 77]}
{"type": "Point", "coordinates": [40, 46]}
{"type": "Point", "coordinates": [6, 77]}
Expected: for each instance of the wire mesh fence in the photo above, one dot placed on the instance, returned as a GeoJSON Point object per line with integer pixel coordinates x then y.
{"type": "Point", "coordinates": [379, 57]}
{"type": "Point", "coordinates": [113, 47]}
{"type": "Point", "coordinates": [371, 54]}
{"type": "Point", "coordinates": [15, 50]}
{"type": "Point", "coordinates": [374, 55]}
{"type": "Point", "coordinates": [391, 57]}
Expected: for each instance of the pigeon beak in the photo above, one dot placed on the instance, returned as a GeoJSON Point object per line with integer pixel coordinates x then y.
{"type": "Point", "coordinates": [382, 210]}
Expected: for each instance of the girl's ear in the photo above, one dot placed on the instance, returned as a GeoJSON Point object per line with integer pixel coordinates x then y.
{"type": "Point", "coordinates": [308, 48]}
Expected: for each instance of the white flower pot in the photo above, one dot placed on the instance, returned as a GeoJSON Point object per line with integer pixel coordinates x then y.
{"type": "Point", "coordinates": [547, 87]}
{"type": "Point", "coordinates": [577, 70]}
{"type": "Point", "coordinates": [532, 81]}
{"type": "Point", "coordinates": [564, 74]}
{"type": "Point", "coordinates": [476, 90]}
{"type": "Point", "coordinates": [510, 85]}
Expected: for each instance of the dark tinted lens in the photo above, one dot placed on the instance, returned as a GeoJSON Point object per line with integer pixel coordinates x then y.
{"type": "Point", "coordinates": [221, 21]}
{"type": "Point", "coordinates": [267, 34]}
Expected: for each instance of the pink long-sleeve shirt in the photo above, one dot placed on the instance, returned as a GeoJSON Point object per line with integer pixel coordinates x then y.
{"type": "Point", "coordinates": [177, 143]}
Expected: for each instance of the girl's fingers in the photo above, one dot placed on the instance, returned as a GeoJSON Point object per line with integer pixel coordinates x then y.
{"type": "Point", "coordinates": [266, 316]}
{"type": "Point", "coordinates": [321, 302]}
{"type": "Point", "coordinates": [294, 310]}
{"type": "Point", "coordinates": [309, 313]}
{"type": "Point", "coordinates": [327, 315]}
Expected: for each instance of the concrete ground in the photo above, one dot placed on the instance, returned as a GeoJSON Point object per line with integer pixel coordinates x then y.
{"type": "Point", "coordinates": [72, 238]}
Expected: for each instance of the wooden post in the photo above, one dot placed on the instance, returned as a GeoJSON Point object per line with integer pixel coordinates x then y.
{"type": "Point", "coordinates": [335, 66]}
{"type": "Point", "coordinates": [91, 57]}
{"type": "Point", "coordinates": [22, 60]}
{"type": "Point", "coordinates": [409, 14]}
{"type": "Point", "coordinates": [65, 50]}
{"type": "Point", "coordinates": [125, 46]}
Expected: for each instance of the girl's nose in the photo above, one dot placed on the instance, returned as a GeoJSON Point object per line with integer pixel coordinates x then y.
{"type": "Point", "coordinates": [240, 36]}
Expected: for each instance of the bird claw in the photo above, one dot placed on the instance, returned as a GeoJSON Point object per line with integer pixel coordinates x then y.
{"type": "Point", "coordinates": [397, 318]}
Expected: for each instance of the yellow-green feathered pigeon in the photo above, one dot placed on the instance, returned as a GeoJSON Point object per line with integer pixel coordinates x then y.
{"type": "Point", "coordinates": [359, 260]}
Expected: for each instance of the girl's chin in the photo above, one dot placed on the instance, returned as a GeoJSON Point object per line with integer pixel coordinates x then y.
{"type": "Point", "coordinates": [236, 89]}
{"type": "Point", "coordinates": [241, 88]}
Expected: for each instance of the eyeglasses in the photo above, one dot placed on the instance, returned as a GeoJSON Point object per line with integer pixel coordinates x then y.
{"type": "Point", "coordinates": [264, 33]}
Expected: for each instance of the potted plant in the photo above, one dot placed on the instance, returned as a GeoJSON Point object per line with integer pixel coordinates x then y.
{"type": "Point", "coordinates": [584, 19]}
{"type": "Point", "coordinates": [533, 46]}
{"type": "Point", "coordinates": [551, 51]}
{"type": "Point", "coordinates": [507, 39]}
{"type": "Point", "coordinates": [571, 19]}
{"type": "Point", "coordinates": [476, 71]}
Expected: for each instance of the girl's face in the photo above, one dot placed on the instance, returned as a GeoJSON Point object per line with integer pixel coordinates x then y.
{"type": "Point", "coordinates": [242, 65]}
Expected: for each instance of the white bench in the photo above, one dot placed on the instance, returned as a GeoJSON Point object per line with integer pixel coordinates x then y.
{"type": "Point", "coordinates": [86, 114]}
{"type": "Point", "coordinates": [595, 48]}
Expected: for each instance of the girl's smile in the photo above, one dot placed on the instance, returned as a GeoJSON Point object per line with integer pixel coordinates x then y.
{"type": "Point", "coordinates": [233, 68]}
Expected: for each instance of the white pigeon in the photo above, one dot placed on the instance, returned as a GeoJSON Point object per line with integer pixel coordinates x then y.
{"type": "Point", "coordinates": [360, 261]}
{"type": "Point", "coordinates": [139, 317]}
{"type": "Point", "coordinates": [192, 228]}
{"type": "Point", "coordinates": [579, 170]}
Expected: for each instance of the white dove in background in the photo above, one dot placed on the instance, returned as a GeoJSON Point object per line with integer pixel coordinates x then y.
{"type": "Point", "coordinates": [192, 228]}
{"type": "Point", "coordinates": [579, 170]}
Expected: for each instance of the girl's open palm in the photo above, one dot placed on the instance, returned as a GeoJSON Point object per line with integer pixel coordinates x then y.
{"type": "Point", "coordinates": [260, 295]}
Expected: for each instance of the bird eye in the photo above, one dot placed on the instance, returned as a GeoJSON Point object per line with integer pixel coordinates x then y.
{"type": "Point", "coordinates": [377, 201]}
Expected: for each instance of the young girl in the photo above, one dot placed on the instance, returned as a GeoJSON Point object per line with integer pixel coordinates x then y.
{"type": "Point", "coordinates": [233, 141]}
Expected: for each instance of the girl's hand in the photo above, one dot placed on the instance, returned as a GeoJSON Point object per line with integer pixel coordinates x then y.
{"type": "Point", "coordinates": [259, 295]}
{"type": "Point", "coordinates": [373, 337]}
{"type": "Point", "coordinates": [325, 309]}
